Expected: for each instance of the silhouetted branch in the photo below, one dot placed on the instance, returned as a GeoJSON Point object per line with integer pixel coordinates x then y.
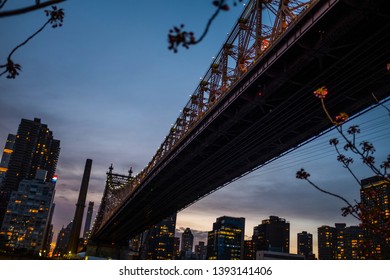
{"type": "Point", "coordinates": [346, 161]}
{"type": "Point", "coordinates": [177, 36]}
{"type": "Point", "coordinates": [28, 39]}
{"type": "Point", "coordinates": [56, 18]}
{"type": "Point", "coordinates": [367, 149]}
{"type": "Point", "coordinates": [2, 4]}
{"type": "Point", "coordinates": [28, 9]}
{"type": "Point", "coordinates": [302, 174]}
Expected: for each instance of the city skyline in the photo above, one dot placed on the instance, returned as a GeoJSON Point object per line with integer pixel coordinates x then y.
{"type": "Point", "coordinates": [108, 110]}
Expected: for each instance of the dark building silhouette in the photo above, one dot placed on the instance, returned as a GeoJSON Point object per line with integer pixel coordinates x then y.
{"type": "Point", "coordinates": [375, 199]}
{"type": "Point", "coordinates": [201, 251]}
{"type": "Point", "coordinates": [158, 241]}
{"type": "Point", "coordinates": [187, 240]}
{"type": "Point", "coordinates": [339, 242]}
{"type": "Point", "coordinates": [48, 241]}
{"type": "Point", "coordinates": [272, 234]}
{"type": "Point", "coordinates": [62, 242]}
{"type": "Point", "coordinates": [88, 219]}
{"type": "Point", "coordinates": [7, 152]}
{"type": "Point", "coordinates": [34, 148]}
{"type": "Point", "coordinates": [354, 238]}
{"type": "Point", "coordinates": [327, 239]}
{"type": "Point", "coordinates": [176, 248]}
{"type": "Point", "coordinates": [249, 250]}
{"type": "Point", "coordinates": [305, 244]}
{"type": "Point", "coordinates": [226, 240]}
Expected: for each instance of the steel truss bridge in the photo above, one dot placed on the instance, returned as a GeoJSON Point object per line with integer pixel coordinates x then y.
{"type": "Point", "coordinates": [256, 102]}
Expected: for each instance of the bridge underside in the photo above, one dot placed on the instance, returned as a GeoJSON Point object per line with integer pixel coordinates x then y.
{"type": "Point", "coordinates": [346, 49]}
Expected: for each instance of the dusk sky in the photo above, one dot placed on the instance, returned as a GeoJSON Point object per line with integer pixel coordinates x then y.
{"type": "Point", "coordinates": [108, 87]}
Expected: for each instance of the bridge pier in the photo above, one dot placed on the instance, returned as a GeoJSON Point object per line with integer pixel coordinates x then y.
{"type": "Point", "coordinates": [115, 251]}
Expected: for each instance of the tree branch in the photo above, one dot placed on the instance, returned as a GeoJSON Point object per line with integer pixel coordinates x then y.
{"type": "Point", "coordinates": [335, 195]}
{"type": "Point", "coordinates": [28, 39]}
{"type": "Point", "coordinates": [2, 4]}
{"type": "Point", "coordinates": [347, 166]}
{"type": "Point", "coordinates": [28, 9]}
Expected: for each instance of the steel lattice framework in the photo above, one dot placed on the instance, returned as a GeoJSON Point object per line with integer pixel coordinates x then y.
{"type": "Point", "coordinates": [260, 26]}
{"type": "Point", "coordinates": [117, 187]}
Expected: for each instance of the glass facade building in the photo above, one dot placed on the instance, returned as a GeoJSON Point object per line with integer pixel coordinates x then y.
{"type": "Point", "coordinates": [226, 240]}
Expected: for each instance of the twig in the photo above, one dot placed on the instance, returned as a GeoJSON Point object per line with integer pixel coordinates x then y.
{"type": "Point", "coordinates": [335, 195]}
{"type": "Point", "coordinates": [347, 166]}
{"type": "Point", "coordinates": [29, 38]}
{"type": "Point", "coordinates": [29, 8]}
{"type": "Point", "coordinates": [2, 4]}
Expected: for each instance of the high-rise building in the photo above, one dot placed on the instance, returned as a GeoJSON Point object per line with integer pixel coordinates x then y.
{"type": "Point", "coordinates": [354, 238]}
{"type": "Point", "coordinates": [158, 241]}
{"type": "Point", "coordinates": [201, 251]}
{"type": "Point", "coordinates": [226, 240]}
{"type": "Point", "coordinates": [88, 219]}
{"type": "Point", "coordinates": [176, 248]}
{"type": "Point", "coordinates": [48, 238]}
{"type": "Point", "coordinates": [46, 251]}
{"type": "Point", "coordinates": [249, 251]}
{"type": "Point", "coordinates": [375, 201]}
{"type": "Point", "coordinates": [34, 149]}
{"type": "Point", "coordinates": [305, 244]}
{"type": "Point", "coordinates": [272, 234]}
{"type": "Point", "coordinates": [339, 242]}
{"type": "Point", "coordinates": [26, 224]}
{"type": "Point", "coordinates": [326, 241]}
{"type": "Point", "coordinates": [187, 240]}
{"type": "Point", "coordinates": [62, 242]}
{"type": "Point", "coordinates": [7, 152]}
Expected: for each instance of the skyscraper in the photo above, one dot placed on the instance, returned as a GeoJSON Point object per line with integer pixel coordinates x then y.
{"type": "Point", "coordinates": [7, 152]}
{"type": "Point", "coordinates": [176, 248]}
{"type": "Point", "coordinates": [375, 201]}
{"type": "Point", "coordinates": [88, 220]}
{"type": "Point", "coordinates": [305, 244]}
{"type": "Point", "coordinates": [226, 240]}
{"type": "Point", "coordinates": [26, 224]}
{"type": "Point", "coordinates": [62, 242]}
{"type": "Point", "coordinates": [34, 148]}
{"type": "Point", "coordinates": [187, 240]}
{"type": "Point", "coordinates": [272, 234]}
{"type": "Point", "coordinates": [201, 251]}
{"type": "Point", "coordinates": [339, 242]}
{"type": "Point", "coordinates": [249, 251]}
{"type": "Point", "coordinates": [158, 241]}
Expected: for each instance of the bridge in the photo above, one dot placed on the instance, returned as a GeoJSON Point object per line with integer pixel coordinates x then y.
{"type": "Point", "coordinates": [256, 103]}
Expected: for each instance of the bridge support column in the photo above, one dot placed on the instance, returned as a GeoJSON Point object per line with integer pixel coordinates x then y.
{"type": "Point", "coordinates": [116, 251]}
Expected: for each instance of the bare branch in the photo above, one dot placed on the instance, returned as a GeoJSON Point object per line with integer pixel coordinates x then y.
{"type": "Point", "coordinates": [56, 17]}
{"type": "Point", "coordinates": [28, 9]}
{"type": "Point", "coordinates": [346, 161]}
{"type": "Point", "coordinates": [177, 36]}
{"type": "Point", "coordinates": [2, 4]}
